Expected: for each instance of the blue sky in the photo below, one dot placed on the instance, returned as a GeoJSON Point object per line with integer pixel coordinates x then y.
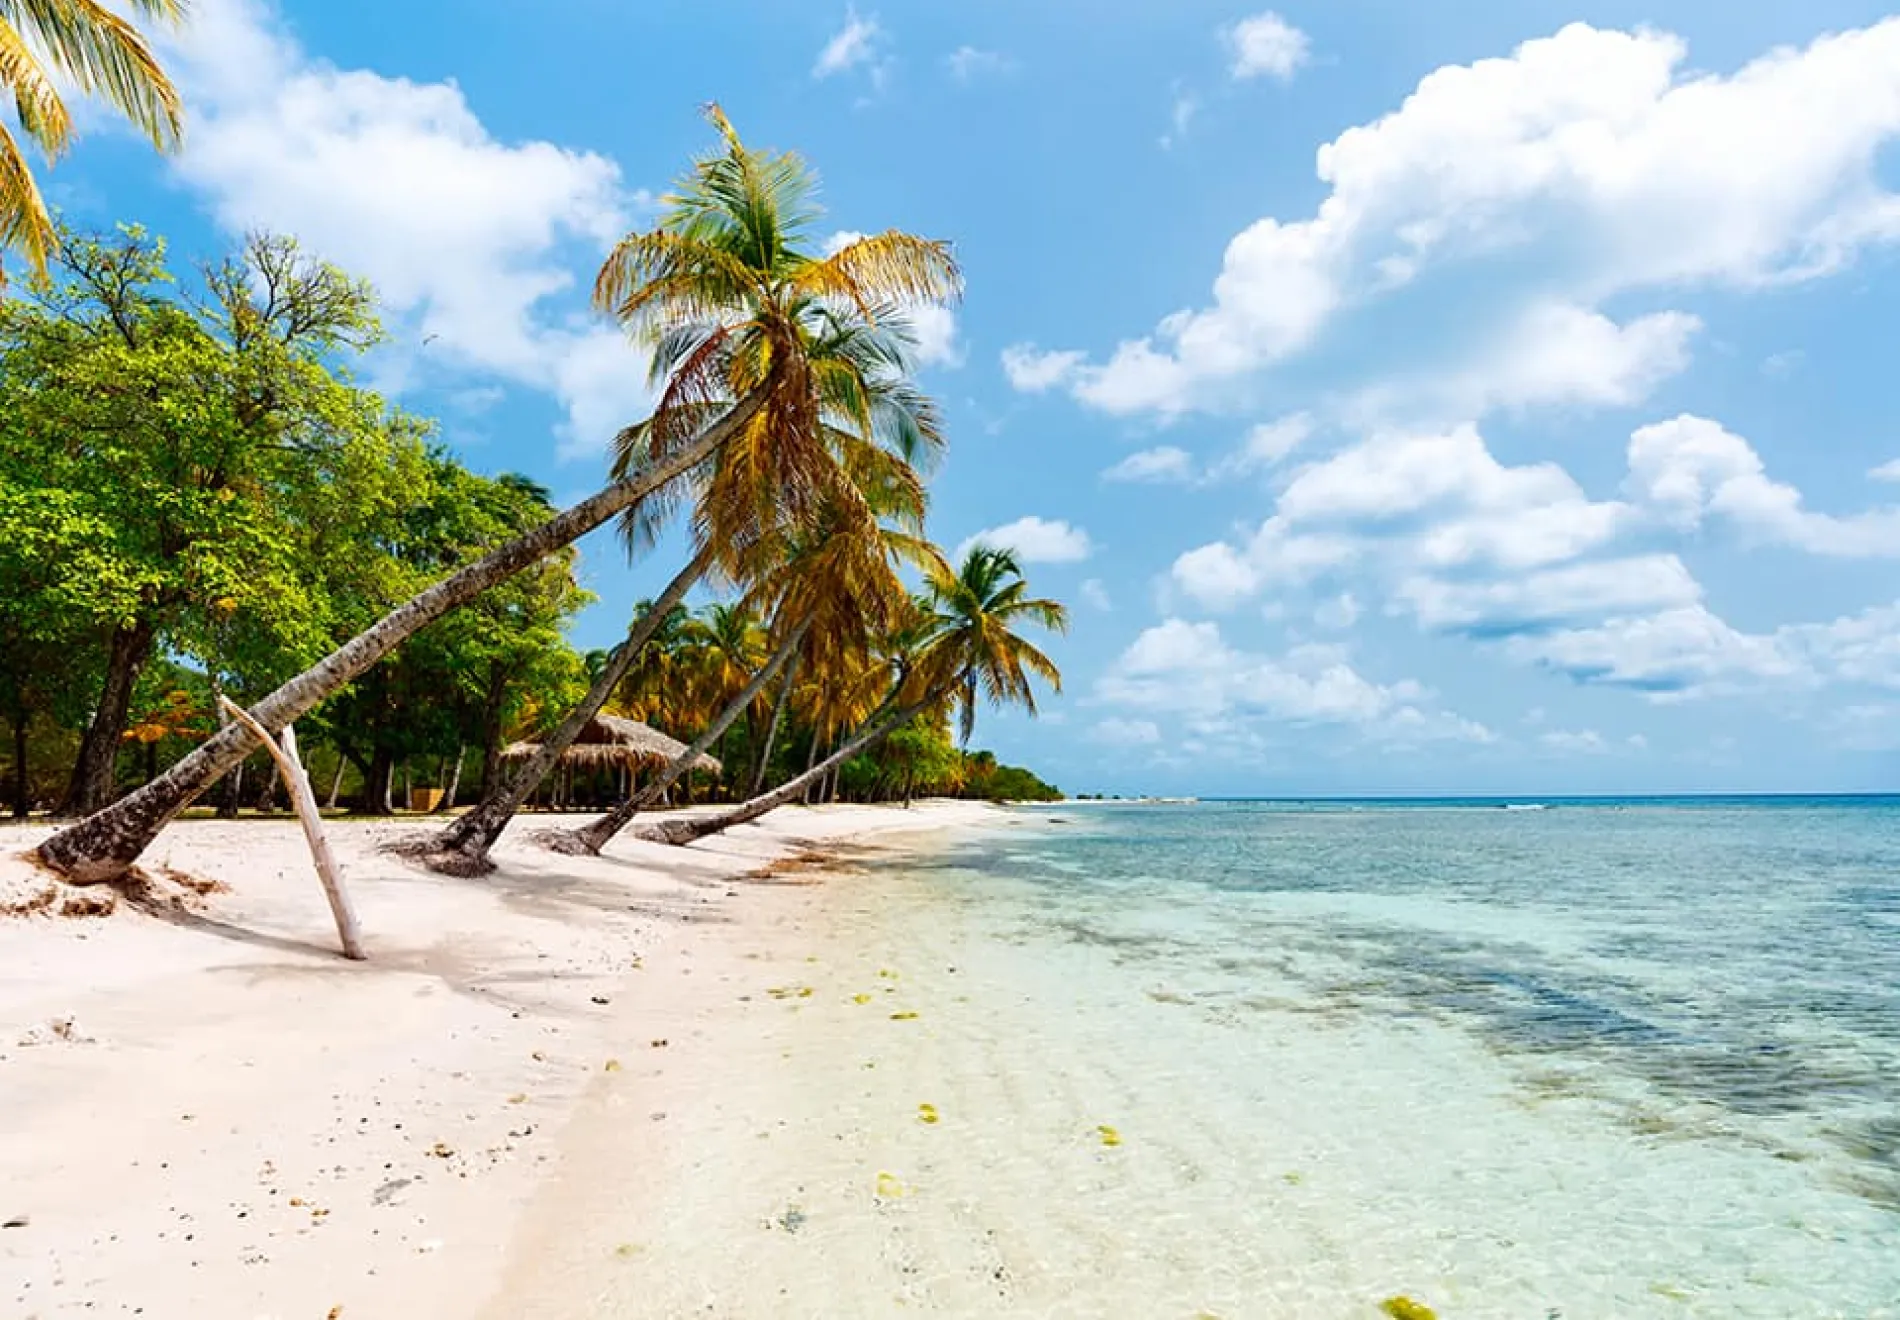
{"type": "Point", "coordinates": [1489, 397]}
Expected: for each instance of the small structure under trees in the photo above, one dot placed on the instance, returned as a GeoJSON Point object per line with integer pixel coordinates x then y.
{"type": "Point", "coordinates": [617, 744]}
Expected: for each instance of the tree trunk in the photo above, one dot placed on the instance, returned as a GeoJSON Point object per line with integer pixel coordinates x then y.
{"type": "Point", "coordinates": [233, 790]}
{"type": "Point", "coordinates": [267, 798]}
{"type": "Point", "coordinates": [679, 832]}
{"type": "Point", "coordinates": [336, 781]}
{"type": "Point", "coordinates": [95, 772]}
{"type": "Point", "coordinates": [379, 784]}
{"type": "Point", "coordinates": [103, 845]}
{"type": "Point", "coordinates": [462, 847]}
{"type": "Point", "coordinates": [22, 781]}
{"type": "Point", "coordinates": [455, 779]}
{"type": "Point", "coordinates": [592, 838]}
{"type": "Point", "coordinates": [771, 729]}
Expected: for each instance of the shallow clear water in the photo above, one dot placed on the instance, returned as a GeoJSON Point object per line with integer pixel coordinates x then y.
{"type": "Point", "coordinates": [1693, 1008]}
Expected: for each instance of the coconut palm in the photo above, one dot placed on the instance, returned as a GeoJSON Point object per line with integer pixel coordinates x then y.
{"type": "Point", "coordinates": [830, 585]}
{"type": "Point", "coordinates": [730, 302]}
{"type": "Point", "coordinates": [976, 653]}
{"type": "Point", "coordinates": [86, 45]}
{"type": "Point", "coordinates": [725, 291]}
{"type": "Point", "coordinates": [959, 643]}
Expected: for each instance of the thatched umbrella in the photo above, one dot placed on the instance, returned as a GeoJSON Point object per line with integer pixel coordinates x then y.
{"type": "Point", "coordinates": [612, 740]}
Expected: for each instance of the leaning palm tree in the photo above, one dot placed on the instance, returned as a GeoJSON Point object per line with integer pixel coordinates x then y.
{"type": "Point", "coordinates": [830, 585]}
{"type": "Point", "coordinates": [86, 45]}
{"type": "Point", "coordinates": [960, 645]}
{"type": "Point", "coordinates": [714, 288]}
{"type": "Point", "coordinates": [724, 291]}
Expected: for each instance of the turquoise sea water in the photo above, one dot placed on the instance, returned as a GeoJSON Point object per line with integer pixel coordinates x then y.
{"type": "Point", "coordinates": [1706, 993]}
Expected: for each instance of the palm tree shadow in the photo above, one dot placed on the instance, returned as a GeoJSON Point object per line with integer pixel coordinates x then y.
{"type": "Point", "coordinates": [173, 913]}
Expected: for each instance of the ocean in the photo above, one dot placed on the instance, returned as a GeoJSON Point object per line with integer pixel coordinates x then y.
{"type": "Point", "coordinates": [1588, 1060]}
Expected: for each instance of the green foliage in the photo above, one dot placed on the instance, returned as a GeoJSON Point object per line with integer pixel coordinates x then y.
{"type": "Point", "coordinates": [193, 472]}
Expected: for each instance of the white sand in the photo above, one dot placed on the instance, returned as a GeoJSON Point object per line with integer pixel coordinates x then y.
{"type": "Point", "coordinates": [209, 1113]}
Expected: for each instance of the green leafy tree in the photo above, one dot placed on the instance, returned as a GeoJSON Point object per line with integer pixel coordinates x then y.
{"type": "Point", "coordinates": [162, 439]}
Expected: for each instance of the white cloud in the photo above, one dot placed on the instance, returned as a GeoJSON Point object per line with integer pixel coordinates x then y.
{"type": "Point", "coordinates": [1269, 443]}
{"type": "Point", "coordinates": [1188, 669]}
{"type": "Point", "coordinates": [1215, 576]}
{"type": "Point", "coordinates": [1690, 467]}
{"type": "Point", "coordinates": [1266, 45]}
{"type": "Point", "coordinates": [1035, 541]}
{"type": "Point", "coordinates": [969, 62]}
{"type": "Point", "coordinates": [1265, 446]}
{"type": "Point", "coordinates": [1118, 732]}
{"type": "Point", "coordinates": [1680, 652]}
{"type": "Point", "coordinates": [1550, 353]}
{"type": "Point", "coordinates": [1888, 471]}
{"type": "Point", "coordinates": [465, 236]}
{"type": "Point", "coordinates": [1034, 372]}
{"type": "Point", "coordinates": [1165, 463]}
{"type": "Point", "coordinates": [1587, 591]}
{"type": "Point", "coordinates": [1095, 595]}
{"type": "Point", "coordinates": [856, 43]}
{"type": "Point", "coordinates": [935, 330]}
{"type": "Point", "coordinates": [1591, 153]}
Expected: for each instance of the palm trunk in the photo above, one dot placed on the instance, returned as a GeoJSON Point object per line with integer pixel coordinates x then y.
{"type": "Point", "coordinates": [455, 779]}
{"type": "Point", "coordinates": [104, 844]}
{"type": "Point", "coordinates": [679, 832]}
{"type": "Point", "coordinates": [462, 848]}
{"type": "Point", "coordinates": [771, 730]}
{"type": "Point", "coordinates": [592, 838]}
{"type": "Point", "coordinates": [96, 770]}
{"type": "Point", "coordinates": [336, 781]}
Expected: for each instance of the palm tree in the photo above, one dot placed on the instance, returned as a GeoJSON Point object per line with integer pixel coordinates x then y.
{"type": "Point", "coordinates": [975, 650]}
{"type": "Point", "coordinates": [719, 288]}
{"type": "Point", "coordinates": [831, 586]}
{"type": "Point", "coordinates": [730, 301]}
{"type": "Point", "coordinates": [85, 44]}
{"type": "Point", "coordinates": [961, 644]}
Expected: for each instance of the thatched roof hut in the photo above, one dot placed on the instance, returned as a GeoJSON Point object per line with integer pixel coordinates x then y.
{"type": "Point", "coordinates": [612, 740]}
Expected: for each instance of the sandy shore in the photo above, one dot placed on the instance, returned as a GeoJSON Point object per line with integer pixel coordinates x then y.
{"type": "Point", "coordinates": [210, 1114]}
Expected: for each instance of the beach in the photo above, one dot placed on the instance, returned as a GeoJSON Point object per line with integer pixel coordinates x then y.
{"type": "Point", "coordinates": [210, 1113]}
{"type": "Point", "coordinates": [1222, 1061]}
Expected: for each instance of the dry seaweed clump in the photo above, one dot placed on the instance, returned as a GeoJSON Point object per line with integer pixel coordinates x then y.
{"type": "Point", "coordinates": [28, 889]}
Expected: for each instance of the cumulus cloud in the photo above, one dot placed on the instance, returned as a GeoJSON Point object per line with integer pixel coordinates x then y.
{"type": "Point", "coordinates": [468, 238]}
{"type": "Point", "coordinates": [1266, 45]}
{"type": "Point", "coordinates": [1690, 468]}
{"type": "Point", "coordinates": [1888, 471]}
{"type": "Point", "coordinates": [1035, 541]}
{"type": "Point", "coordinates": [1593, 148]}
{"type": "Point", "coordinates": [1095, 595]}
{"type": "Point", "coordinates": [1188, 669]}
{"type": "Point", "coordinates": [1674, 653]}
{"type": "Point", "coordinates": [1640, 584]}
{"type": "Point", "coordinates": [1548, 354]}
{"type": "Point", "coordinates": [1522, 557]}
{"type": "Point", "coordinates": [1034, 371]}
